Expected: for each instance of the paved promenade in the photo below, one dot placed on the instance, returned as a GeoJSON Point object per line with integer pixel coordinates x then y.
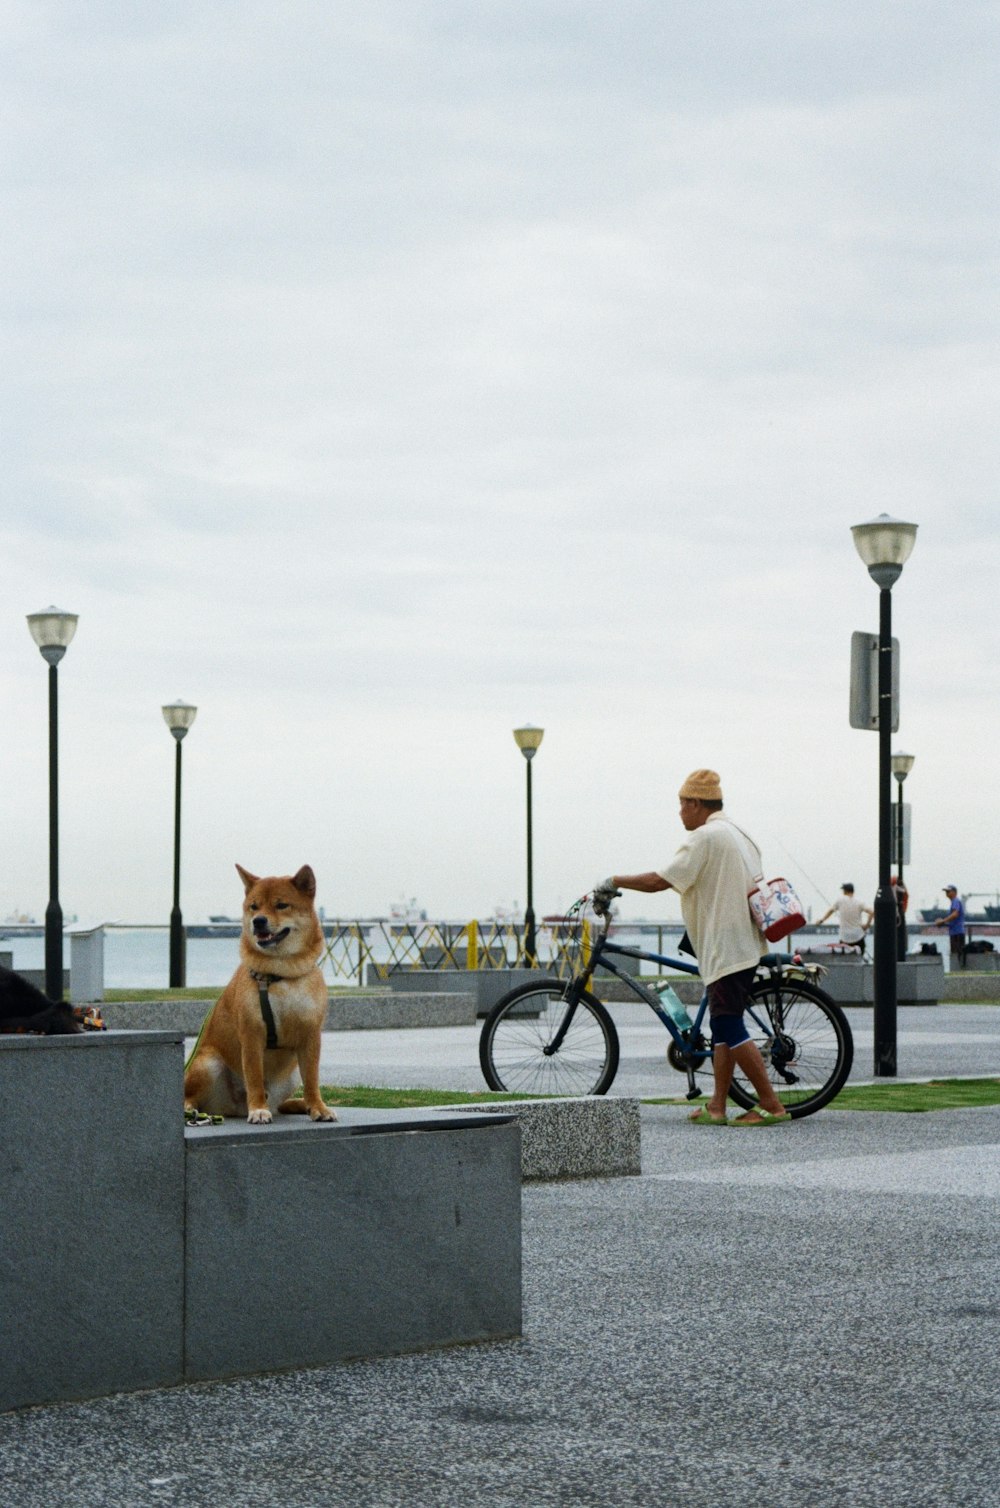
{"type": "Point", "coordinates": [801, 1314]}
{"type": "Point", "coordinates": [932, 1042]}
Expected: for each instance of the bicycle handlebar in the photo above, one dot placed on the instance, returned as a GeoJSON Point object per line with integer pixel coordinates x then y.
{"type": "Point", "coordinates": [599, 906]}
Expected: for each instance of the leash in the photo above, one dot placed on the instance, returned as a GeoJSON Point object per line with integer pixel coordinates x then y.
{"type": "Point", "coordinates": [262, 981]}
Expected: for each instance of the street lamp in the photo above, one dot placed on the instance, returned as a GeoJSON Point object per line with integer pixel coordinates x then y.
{"type": "Point", "coordinates": [902, 764]}
{"type": "Point", "coordinates": [178, 717]}
{"type": "Point", "coordinates": [527, 739]}
{"type": "Point", "coordinates": [53, 630]}
{"type": "Point", "coordinates": [884, 545]}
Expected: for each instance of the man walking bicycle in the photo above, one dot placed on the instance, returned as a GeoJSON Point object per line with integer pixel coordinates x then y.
{"type": "Point", "coordinates": [712, 871]}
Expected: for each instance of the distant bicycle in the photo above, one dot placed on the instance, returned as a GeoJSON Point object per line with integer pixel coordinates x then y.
{"type": "Point", "coordinates": [554, 1037]}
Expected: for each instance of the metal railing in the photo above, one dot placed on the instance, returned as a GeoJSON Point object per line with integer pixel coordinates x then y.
{"type": "Point", "coordinates": [362, 951]}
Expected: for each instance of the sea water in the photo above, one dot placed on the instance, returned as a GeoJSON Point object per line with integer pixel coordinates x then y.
{"type": "Point", "coordinates": [139, 957]}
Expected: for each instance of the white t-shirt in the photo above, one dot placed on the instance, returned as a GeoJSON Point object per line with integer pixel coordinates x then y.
{"type": "Point", "coordinates": [849, 910]}
{"type": "Point", "coordinates": [711, 872]}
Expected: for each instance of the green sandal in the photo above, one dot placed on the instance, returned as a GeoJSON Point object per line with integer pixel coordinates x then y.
{"type": "Point", "coordinates": [704, 1117]}
{"type": "Point", "coordinates": [764, 1118]}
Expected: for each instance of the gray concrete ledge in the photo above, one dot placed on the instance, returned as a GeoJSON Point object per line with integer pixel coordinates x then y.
{"type": "Point", "coordinates": [387, 1010]}
{"type": "Point", "coordinates": [593, 1137]}
{"type": "Point", "coordinates": [487, 985]}
{"type": "Point", "coordinates": [364, 1011]}
{"type": "Point", "coordinates": [378, 1234]}
{"type": "Point", "coordinates": [963, 985]}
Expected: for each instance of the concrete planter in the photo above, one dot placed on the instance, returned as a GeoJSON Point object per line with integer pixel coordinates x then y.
{"type": "Point", "coordinates": [488, 985]}
{"type": "Point", "coordinates": [851, 981]}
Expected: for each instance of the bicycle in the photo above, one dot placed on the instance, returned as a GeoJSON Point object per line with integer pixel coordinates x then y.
{"type": "Point", "coordinates": [554, 1037]}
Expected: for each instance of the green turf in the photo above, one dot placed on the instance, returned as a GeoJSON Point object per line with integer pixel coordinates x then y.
{"type": "Point", "coordinates": [195, 992]}
{"type": "Point", "coordinates": [941, 1094]}
{"type": "Point", "coordinates": [908, 1099]}
{"type": "Point", "coordinates": [367, 1097]}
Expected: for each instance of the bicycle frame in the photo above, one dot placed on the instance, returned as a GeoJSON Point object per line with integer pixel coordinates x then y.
{"type": "Point", "coordinates": [690, 1053]}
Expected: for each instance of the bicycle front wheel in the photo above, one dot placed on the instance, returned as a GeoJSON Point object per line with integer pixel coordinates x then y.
{"type": "Point", "coordinates": [805, 1040]}
{"type": "Point", "coordinates": [517, 1045]}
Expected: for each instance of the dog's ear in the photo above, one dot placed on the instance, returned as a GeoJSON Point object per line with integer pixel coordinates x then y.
{"type": "Point", "coordinates": [305, 881]}
{"type": "Point", "coordinates": [247, 878]}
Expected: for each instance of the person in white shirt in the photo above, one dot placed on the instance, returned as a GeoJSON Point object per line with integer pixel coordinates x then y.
{"type": "Point", "coordinates": [851, 915]}
{"type": "Point", "coordinates": [712, 871]}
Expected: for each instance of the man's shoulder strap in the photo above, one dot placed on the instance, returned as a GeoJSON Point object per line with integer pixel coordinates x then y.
{"type": "Point", "coordinates": [751, 853]}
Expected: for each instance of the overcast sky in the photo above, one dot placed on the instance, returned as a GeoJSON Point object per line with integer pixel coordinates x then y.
{"type": "Point", "coordinates": [380, 377]}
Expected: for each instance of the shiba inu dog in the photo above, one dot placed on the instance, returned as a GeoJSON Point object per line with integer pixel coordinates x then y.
{"type": "Point", "coordinates": [264, 1031]}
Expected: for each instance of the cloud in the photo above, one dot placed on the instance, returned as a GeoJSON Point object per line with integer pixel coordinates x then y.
{"type": "Point", "coordinates": [378, 381]}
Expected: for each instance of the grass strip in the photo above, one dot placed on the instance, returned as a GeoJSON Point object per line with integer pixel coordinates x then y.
{"type": "Point", "coordinates": [369, 1097]}
{"type": "Point", "coordinates": [912, 1099]}
{"type": "Point", "coordinates": [194, 992]}
{"type": "Point", "coordinates": [904, 1099]}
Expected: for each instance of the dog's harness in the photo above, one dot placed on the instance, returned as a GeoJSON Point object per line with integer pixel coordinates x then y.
{"type": "Point", "coordinates": [262, 981]}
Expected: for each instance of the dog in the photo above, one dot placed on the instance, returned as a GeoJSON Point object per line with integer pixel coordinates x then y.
{"type": "Point", "coordinates": [265, 1030]}
{"type": "Point", "coordinates": [24, 1009]}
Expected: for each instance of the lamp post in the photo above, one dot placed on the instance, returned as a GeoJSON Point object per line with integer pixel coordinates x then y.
{"type": "Point", "coordinates": [884, 545]}
{"type": "Point", "coordinates": [178, 717]}
{"type": "Point", "coordinates": [527, 739]}
{"type": "Point", "coordinates": [902, 764]}
{"type": "Point", "coordinates": [53, 630]}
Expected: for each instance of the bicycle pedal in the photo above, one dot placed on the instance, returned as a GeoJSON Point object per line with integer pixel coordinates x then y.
{"type": "Point", "coordinates": [694, 1094]}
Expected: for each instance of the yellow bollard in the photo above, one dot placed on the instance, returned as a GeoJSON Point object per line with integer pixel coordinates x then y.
{"type": "Point", "coordinates": [472, 945]}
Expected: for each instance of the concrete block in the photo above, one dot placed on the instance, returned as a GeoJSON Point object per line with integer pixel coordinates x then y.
{"type": "Point", "coordinates": [91, 1241]}
{"type": "Point", "coordinates": [488, 984]}
{"type": "Point", "coordinates": [492, 984]}
{"type": "Point", "coordinates": [184, 1016]}
{"type": "Point", "coordinates": [391, 1009]}
{"type": "Point", "coordinates": [591, 1137]}
{"type": "Point", "coordinates": [375, 1235]}
{"type": "Point", "coordinates": [961, 985]}
{"type": "Point", "coordinates": [416, 981]}
{"type": "Point", "coordinates": [981, 963]}
{"type": "Point", "coordinates": [688, 988]}
{"type": "Point", "coordinates": [86, 965]}
{"type": "Point", "coordinates": [363, 1011]}
{"type": "Point", "coordinates": [851, 981]}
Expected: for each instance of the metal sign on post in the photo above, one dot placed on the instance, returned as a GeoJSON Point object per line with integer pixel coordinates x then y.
{"type": "Point", "coordinates": [906, 836]}
{"type": "Point", "coordinates": [864, 682]}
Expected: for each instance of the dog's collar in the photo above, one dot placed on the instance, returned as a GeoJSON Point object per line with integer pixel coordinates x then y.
{"type": "Point", "coordinates": [262, 981]}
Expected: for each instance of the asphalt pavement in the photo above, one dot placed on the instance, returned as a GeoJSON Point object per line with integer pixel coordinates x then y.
{"type": "Point", "coordinates": [799, 1314]}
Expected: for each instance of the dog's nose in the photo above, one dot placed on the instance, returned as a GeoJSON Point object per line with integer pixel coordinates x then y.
{"type": "Point", "coordinates": [260, 924]}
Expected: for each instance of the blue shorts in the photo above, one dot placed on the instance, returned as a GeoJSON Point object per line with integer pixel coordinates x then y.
{"type": "Point", "coordinates": [728, 1030]}
{"type": "Point", "coordinates": [728, 998]}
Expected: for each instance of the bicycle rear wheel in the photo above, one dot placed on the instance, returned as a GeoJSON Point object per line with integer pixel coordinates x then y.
{"type": "Point", "coordinates": [515, 1045]}
{"type": "Point", "coordinates": [805, 1040]}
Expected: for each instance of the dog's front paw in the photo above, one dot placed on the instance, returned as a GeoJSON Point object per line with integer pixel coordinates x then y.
{"type": "Point", "coordinates": [322, 1113]}
{"type": "Point", "coordinates": [259, 1117]}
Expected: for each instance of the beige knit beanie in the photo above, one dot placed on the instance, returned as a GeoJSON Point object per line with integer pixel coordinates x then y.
{"type": "Point", "coordinates": [702, 785]}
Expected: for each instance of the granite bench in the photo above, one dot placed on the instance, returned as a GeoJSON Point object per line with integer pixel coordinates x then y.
{"type": "Point", "coordinates": [136, 1252]}
{"type": "Point", "coordinates": [590, 1137]}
